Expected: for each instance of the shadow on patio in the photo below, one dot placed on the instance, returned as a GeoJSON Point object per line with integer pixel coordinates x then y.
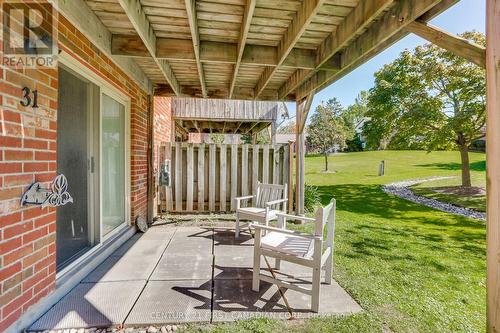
{"type": "Point", "coordinates": [175, 274]}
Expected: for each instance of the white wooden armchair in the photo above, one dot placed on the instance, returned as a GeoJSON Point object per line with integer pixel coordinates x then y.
{"type": "Point", "coordinates": [299, 248]}
{"type": "Point", "coordinates": [266, 205]}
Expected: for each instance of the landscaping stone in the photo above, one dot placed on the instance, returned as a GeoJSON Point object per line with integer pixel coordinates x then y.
{"type": "Point", "coordinates": [402, 190]}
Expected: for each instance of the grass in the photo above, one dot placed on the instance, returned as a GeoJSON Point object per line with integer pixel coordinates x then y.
{"type": "Point", "coordinates": [412, 269]}
{"type": "Point", "coordinates": [478, 202]}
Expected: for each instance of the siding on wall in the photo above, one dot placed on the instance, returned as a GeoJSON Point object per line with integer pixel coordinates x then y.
{"type": "Point", "coordinates": [28, 154]}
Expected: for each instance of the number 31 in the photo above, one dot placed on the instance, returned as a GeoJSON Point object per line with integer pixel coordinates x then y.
{"type": "Point", "coordinates": [26, 101]}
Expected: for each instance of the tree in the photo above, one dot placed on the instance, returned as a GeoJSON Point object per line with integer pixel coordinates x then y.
{"type": "Point", "coordinates": [262, 138]}
{"type": "Point", "coordinates": [217, 138]}
{"type": "Point", "coordinates": [429, 99]}
{"type": "Point", "coordinates": [287, 128]}
{"type": "Point", "coordinates": [354, 116]}
{"type": "Point", "coordinates": [328, 127]}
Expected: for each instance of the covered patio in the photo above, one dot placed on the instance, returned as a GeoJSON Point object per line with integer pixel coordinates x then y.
{"type": "Point", "coordinates": [184, 274]}
{"type": "Point", "coordinates": [255, 50]}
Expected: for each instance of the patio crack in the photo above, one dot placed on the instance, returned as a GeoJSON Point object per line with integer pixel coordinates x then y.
{"type": "Point", "coordinates": [149, 277]}
{"type": "Point", "coordinates": [213, 277]}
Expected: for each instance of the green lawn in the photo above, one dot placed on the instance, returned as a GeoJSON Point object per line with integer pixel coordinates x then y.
{"type": "Point", "coordinates": [412, 269]}
{"type": "Point", "coordinates": [478, 202]}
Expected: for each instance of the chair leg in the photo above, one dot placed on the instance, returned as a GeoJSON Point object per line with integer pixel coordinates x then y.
{"type": "Point", "coordinates": [329, 269]}
{"type": "Point", "coordinates": [256, 263]}
{"type": "Point", "coordinates": [316, 283]}
{"type": "Point", "coordinates": [237, 231]}
{"type": "Point", "coordinates": [277, 264]}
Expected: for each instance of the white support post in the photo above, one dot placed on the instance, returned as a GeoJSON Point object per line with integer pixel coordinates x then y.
{"type": "Point", "coordinates": [493, 164]}
{"type": "Point", "coordinates": [302, 109]}
{"type": "Point", "coordinates": [299, 172]}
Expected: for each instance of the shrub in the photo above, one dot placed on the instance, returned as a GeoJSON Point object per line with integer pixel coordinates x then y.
{"type": "Point", "coordinates": [312, 199]}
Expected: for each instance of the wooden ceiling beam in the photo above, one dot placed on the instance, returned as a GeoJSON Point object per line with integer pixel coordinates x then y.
{"type": "Point", "coordinates": [247, 19]}
{"type": "Point", "coordinates": [450, 42]}
{"type": "Point", "coordinates": [373, 40]}
{"type": "Point", "coordinates": [212, 52]}
{"type": "Point", "coordinates": [359, 18]}
{"type": "Point", "coordinates": [134, 11]}
{"type": "Point", "coordinates": [301, 20]}
{"type": "Point", "coordinates": [195, 37]}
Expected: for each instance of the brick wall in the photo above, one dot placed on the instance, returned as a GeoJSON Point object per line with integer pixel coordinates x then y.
{"type": "Point", "coordinates": [28, 154]}
{"type": "Point", "coordinates": [162, 123]}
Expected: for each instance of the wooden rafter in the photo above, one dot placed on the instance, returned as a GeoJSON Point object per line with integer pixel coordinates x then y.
{"type": "Point", "coordinates": [453, 43]}
{"type": "Point", "coordinates": [247, 19]}
{"type": "Point", "coordinates": [212, 52]}
{"type": "Point", "coordinates": [359, 18]}
{"type": "Point", "coordinates": [134, 11]}
{"type": "Point", "coordinates": [295, 30]}
{"type": "Point", "coordinates": [195, 36]}
{"type": "Point", "coordinates": [86, 21]}
{"type": "Point", "coordinates": [370, 42]}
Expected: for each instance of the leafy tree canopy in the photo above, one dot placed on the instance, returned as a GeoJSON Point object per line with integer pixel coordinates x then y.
{"type": "Point", "coordinates": [430, 99]}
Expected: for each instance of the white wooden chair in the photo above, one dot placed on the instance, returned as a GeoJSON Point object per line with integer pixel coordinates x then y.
{"type": "Point", "coordinates": [299, 248]}
{"type": "Point", "coordinates": [265, 205]}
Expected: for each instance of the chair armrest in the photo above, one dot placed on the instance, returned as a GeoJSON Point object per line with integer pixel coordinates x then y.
{"type": "Point", "coordinates": [270, 203]}
{"type": "Point", "coordinates": [259, 227]}
{"type": "Point", "coordinates": [244, 198]}
{"type": "Point", "coordinates": [240, 199]}
{"type": "Point", "coordinates": [295, 217]}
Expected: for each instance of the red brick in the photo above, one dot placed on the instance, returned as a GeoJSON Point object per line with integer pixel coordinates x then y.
{"type": "Point", "coordinates": [36, 167]}
{"type": "Point", "coordinates": [11, 116]}
{"type": "Point", "coordinates": [35, 144]}
{"type": "Point", "coordinates": [11, 168]}
{"type": "Point", "coordinates": [17, 303]}
{"type": "Point", "coordinates": [31, 260]}
{"type": "Point", "coordinates": [10, 245]}
{"type": "Point", "coordinates": [45, 156]}
{"type": "Point", "coordinates": [9, 320]}
{"type": "Point", "coordinates": [18, 155]}
{"type": "Point", "coordinates": [18, 229]}
{"type": "Point", "coordinates": [11, 142]}
{"type": "Point", "coordinates": [50, 135]}
{"type": "Point", "coordinates": [7, 272]}
{"type": "Point", "coordinates": [17, 254]}
{"type": "Point", "coordinates": [17, 180]}
{"type": "Point", "coordinates": [10, 219]}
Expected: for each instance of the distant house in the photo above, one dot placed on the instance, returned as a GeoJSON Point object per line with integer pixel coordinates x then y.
{"type": "Point", "coordinates": [358, 129]}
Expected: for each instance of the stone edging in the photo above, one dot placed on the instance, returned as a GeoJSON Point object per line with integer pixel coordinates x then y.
{"type": "Point", "coordinates": [402, 190]}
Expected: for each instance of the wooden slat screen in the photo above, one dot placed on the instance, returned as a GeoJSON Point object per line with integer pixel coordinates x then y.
{"type": "Point", "coordinates": [207, 177]}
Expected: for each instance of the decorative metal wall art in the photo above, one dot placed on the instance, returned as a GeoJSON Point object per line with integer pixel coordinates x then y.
{"type": "Point", "coordinates": [57, 195]}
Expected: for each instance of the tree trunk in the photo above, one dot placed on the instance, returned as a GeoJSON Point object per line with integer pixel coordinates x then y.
{"type": "Point", "coordinates": [326, 161]}
{"type": "Point", "coordinates": [464, 156]}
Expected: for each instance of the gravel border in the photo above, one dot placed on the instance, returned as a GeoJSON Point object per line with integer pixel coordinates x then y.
{"type": "Point", "coordinates": [402, 190]}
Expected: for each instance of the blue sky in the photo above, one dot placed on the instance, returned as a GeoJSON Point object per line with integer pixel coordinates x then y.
{"type": "Point", "coordinates": [465, 15]}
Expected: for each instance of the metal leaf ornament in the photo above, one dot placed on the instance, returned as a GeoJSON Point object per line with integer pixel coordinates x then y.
{"type": "Point", "coordinates": [60, 195]}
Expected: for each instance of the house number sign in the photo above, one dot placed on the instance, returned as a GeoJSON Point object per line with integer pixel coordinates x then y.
{"type": "Point", "coordinates": [56, 195]}
{"type": "Point", "coordinates": [27, 99]}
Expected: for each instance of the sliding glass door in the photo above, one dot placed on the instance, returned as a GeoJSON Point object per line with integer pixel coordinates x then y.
{"type": "Point", "coordinates": [113, 177]}
{"type": "Point", "coordinates": [76, 226]}
{"type": "Point", "coordinates": [92, 144]}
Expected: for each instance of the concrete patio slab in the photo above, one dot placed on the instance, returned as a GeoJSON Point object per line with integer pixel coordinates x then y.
{"type": "Point", "coordinates": [196, 275]}
{"type": "Point", "coordinates": [138, 246]}
{"type": "Point", "coordinates": [92, 305]}
{"type": "Point", "coordinates": [126, 268]}
{"type": "Point", "coordinates": [159, 233]}
{"type": "Point", "coordinates": [235, 300]}
{"type": "Point", "coordinates": [165, 302]}
{"type": "Point", "coordinates": [183, 267]}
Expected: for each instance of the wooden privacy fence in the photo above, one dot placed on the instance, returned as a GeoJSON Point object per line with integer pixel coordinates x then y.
{"type": "Point", "coordinates": [207, 177]}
